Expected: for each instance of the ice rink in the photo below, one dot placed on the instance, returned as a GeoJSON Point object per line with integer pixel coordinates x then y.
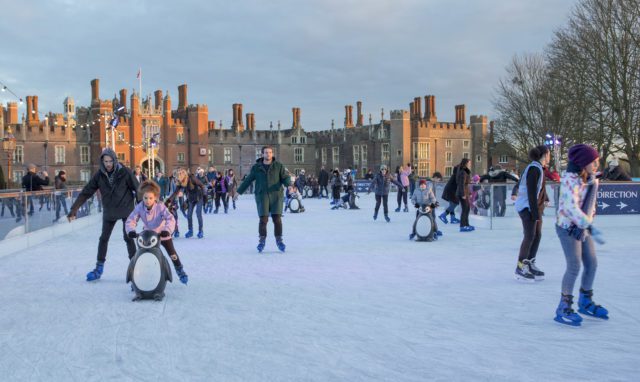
{"type": "Point", "coordinates": [350, 300]}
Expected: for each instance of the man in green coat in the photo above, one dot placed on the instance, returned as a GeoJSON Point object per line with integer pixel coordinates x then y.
{"type": "Point", "coordinates": [269, 176]}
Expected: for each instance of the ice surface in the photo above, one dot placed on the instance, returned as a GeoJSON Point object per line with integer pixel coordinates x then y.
{"type": "Point", "coordinates": [350, 300]}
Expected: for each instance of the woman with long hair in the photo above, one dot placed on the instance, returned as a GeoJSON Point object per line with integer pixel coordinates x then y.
{"type": "Point", "coordinates": [189, 186]}
{"type": "Point", "coordinates": [463, 179]}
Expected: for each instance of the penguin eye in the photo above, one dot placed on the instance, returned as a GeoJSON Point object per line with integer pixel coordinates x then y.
{"type": "Point", "coordinates": [154, 241]}
{"type": "Point", "coordinates": [140, 241]}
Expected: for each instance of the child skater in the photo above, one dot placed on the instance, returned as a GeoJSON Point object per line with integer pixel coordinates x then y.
{"type": "Point", "coordinates": [155, 217]}
{"type": "Point", "coordinates": [577, 206]}
{"type": "Point", "coordinates": [423, 196]}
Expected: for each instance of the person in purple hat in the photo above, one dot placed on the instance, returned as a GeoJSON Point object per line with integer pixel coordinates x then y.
{"type": "Point", "coordinates": [577, 205]}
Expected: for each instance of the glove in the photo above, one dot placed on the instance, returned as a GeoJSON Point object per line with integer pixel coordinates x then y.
{"type": "Point", "coordinates": [437, 204]}
{"type": "Point", "coordinates": [578, 233]}
{"type": "Point", "coordinates": [71, 216]}
{"type": "Point", "coordinates": [165, 234]}
{"type": "Point", "coordinates": [596, 234]}
{"type": "Point", "coordinates": [433, 205]}
{"type": "Point", "coordinates": [132, 234]}
{"type": "Point", "coordinates": [416, 205]}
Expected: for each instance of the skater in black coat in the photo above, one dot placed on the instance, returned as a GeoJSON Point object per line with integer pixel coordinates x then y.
{"type": "Point", "coordinates": [463, 179]}
{"type": "Point", "coordinates": [449, 194]}
{"type": "Point", "coordinates": [118, 188]}
{"type": "Point", "coordinates": [323, 181]}
{"type": "Point", "coordinates": [498, 175]}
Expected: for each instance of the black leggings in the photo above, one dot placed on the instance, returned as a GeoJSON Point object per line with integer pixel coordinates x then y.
{"type": "Point", "coordinates": [225, 200]}
{"type": "Point", "coordinates": [171, 251]}
{"type": "Point", "coordinates": [103, 243]}
{"type": "Point", "coordinates": [277, 225]}
{"type": "Point", "coordinates": [402, 196]}
{"type": "Point", "coordinates": [464, 216]}
{"type": "Point", "coordinates": [532, 233]}
{"type": "Point", "coordinates": [385, 201]}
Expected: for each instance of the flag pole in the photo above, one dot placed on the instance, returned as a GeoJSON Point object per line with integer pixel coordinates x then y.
{"type": "Point", "coordinates": [140, 85]}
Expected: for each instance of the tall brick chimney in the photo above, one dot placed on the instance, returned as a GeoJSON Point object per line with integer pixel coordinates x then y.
{"type": "Point", "coordinates": [182, 97]}
{"type": "Point", "coordinates": [29, 109]}
{"type": "Point", "coordinates": [348, 117]}
{"type": "Point", "coordinates": [360, 118]}
{"type": "Point", "coordinates": [158, 99]}
{"type": "Point", "coordinates": [460, 114]}
{"type": "Point", "coordinates": [430, 107]}
{"type": "Point", "coordinates": [234, 124]}
{"type": "Point", "coordinates": [123, 97]}
{"type": "Point", "coordinates": [95, 90]}
{"type": "Point", "coordinates": [418, 107]}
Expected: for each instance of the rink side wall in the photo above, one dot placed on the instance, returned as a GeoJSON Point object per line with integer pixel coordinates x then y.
{"type": "Point", "coordinates": [18, 243]}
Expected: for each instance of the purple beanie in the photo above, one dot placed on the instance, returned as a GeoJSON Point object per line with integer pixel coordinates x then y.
{"type": "Point", "coordinates": [582, 154]}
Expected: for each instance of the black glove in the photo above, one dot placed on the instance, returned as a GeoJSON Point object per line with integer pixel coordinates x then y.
{"type": "Point", "coordinates": [433, 206]}
{"type": "Point", "coordinates": [165, 234]}
{"type": "Point", "coordinates": [437, 204]}
{"type": "Point", "coordinates": [132, 234]}
{"type": "Point", "coordinates": [416, 205]}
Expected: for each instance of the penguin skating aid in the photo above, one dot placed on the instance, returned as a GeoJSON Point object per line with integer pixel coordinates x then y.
{"type": "Point", "coordinates": [149, 270]}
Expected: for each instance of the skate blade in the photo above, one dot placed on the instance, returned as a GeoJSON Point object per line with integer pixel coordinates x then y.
{"type": "Point", "coordinates": [524, 279]}
{"type": "Point", "coordinates": [539, 278]}
{"type": "Point", "coordinates": [567, 322]}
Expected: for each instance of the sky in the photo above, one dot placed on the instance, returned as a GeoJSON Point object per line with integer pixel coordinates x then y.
{"type": "Point", "coordinates": [318, 55]}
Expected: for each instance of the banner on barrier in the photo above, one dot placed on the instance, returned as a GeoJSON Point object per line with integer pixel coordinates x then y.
{"type": "Point", "coordinates": [618, 199]}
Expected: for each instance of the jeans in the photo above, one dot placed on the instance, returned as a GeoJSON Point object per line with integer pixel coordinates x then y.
{"type": "Point", "coordinates": [198, 206]}
{"type": "Point", "coordinates": [385, 200]}
{"type": "Point", "coordinates": [61, 201]}
{"type": "Point", "coordinates": [225, 200]}
{"type": "Point", "coordinates": [532, 233]}
{"type": "Point", "coordinates": [402, 196]}
{"type": "Point", "coordinates": [103, 243]}
{"type": "Point", "coordinates": [576, 252]}
{"type": "Point", "coordinates": [451, 208]}
{"type": "Point", "coordinates": [277, 225]}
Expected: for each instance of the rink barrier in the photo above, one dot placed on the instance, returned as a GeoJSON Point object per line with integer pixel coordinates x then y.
{"type": "Point", "coordinates": [35, 229]}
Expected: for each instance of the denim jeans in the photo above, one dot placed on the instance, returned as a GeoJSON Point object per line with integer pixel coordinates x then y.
{"type": "Point", "coordinates": [198, 207]}
{"type": "Point", "coordinates": [576, 252]}
{"type": "Point", "coordinates": [451, 208]}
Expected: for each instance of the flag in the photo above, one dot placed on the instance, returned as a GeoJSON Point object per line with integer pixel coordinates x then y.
{"type": "Point", "coordinates": [139, 73]}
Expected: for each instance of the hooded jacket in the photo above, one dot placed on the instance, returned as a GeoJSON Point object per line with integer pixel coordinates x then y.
{"type": "Point", "coordinates": [118, 189]}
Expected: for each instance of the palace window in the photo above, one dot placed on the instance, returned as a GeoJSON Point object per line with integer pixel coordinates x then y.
{"type": "Point", "coordinates": [85, 176]}
{"type": "Point", "coordinates": [336, 156]}
{"type": "Point", "coordinates": [356, 154]}
{"type": "Point", "coordinates": [363, 153]}
{"type": "Point", "coordinates": [258, 153]}
{"type": "Point", "coordinates": [17, 176]}
{"type": "Point", "coordinates": [478, 158]}
{"type": "Point", "coordinates": [227, 155]}
{"type": "Point", "coordinates": [448, 171]}
{"type": "Point", "coordinates": [298, 155]}
{"type": "Point", "coordinates": [120, 136]}
{"type": "Point", "coordinates": [385, 153]}
{"type": "Point", "coordinates": [179, 137]}
{"type": "Point", "coordinates": [294, 140]}
{"type": "Point", "coordinates": [447, 143]}
{"type": "Point", "coordinates": [180, 157]}
{"type": "Point", "coordinates": [18, 155]}
{"type": "Point", "coordinates": [449, 156]}
{"type": "Point", "coordinates": [323, 153]}
{"type": "Point", "coordinates": [465, 155]}
{"type": "Point", "coordinates": [84, 154]}
{"type": "Point", "coordinates": [423, 169]}
{"type": "Point", "coordinates": [121, 157]}
{"type": "Point", "coordinates": [59, 157]}
{"type": "Point", "coordinates": [504, 159]}
{"type": "Point", "coordinates": [465, 144]}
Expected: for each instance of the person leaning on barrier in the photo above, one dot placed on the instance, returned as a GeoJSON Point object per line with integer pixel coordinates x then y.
{"type": "Point", "coordinates": [34, 182]}
{"type": "Point", "coordinates": [615, 173]}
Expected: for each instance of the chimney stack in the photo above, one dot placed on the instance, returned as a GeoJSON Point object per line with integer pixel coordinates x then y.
{"type": "Point", "coordinates": [29, 109]}
{"type": "Point", "coordinates": [460, 114]}
{"type": "Point", "coordinates": [348, 117]}
{"type": "Point", "coordinates": [430, 107]}
{"type": "Point", "coordinates": [158, 99]}
{"type": "Point", "coordinates": [182, 97]}
{"type": "Point", "coordinates": [95, 90]}
{"type": "Point", "coordinates": [234, 124]}
{"type": "Point", "coordinates": [418, 107]}
{"type": "Point", "coordinates": [360, 118]}
{"type": "Point", "coordinates": [123, 97]}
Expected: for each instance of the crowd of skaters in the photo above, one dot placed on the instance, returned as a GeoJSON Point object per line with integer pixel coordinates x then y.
{"type": "Point", "coordinates": [128, 195]}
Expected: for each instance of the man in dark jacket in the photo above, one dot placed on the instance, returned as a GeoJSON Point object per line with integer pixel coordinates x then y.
{"type": "Point", "coordinates": [301, 182]}
{"type": "Point", "coordinates": [498, 175]}
{"type": "Point", "coordinates": [269, 176]}
{"type": "Point", "coordinates": [34, 182]}
{"type": "Point", "coordinates": [61, 193]}
{"type": "Point", "coordinates": [118, 188]}
{"type": "Point", "coordinates": [323, 181]}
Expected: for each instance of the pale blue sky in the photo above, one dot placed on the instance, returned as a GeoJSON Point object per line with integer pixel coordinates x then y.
{"type": "Point", "coordinates": [274, 55]}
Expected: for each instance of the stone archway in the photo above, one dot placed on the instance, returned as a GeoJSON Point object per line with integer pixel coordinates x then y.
{"type": "Point", "coordinates": [158, 164]}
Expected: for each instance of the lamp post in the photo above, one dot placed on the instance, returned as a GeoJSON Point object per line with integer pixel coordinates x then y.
{"type": "Point", "coordinates": [9, 146]}
{"type": "Point", "coordinates": [46, 144]}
